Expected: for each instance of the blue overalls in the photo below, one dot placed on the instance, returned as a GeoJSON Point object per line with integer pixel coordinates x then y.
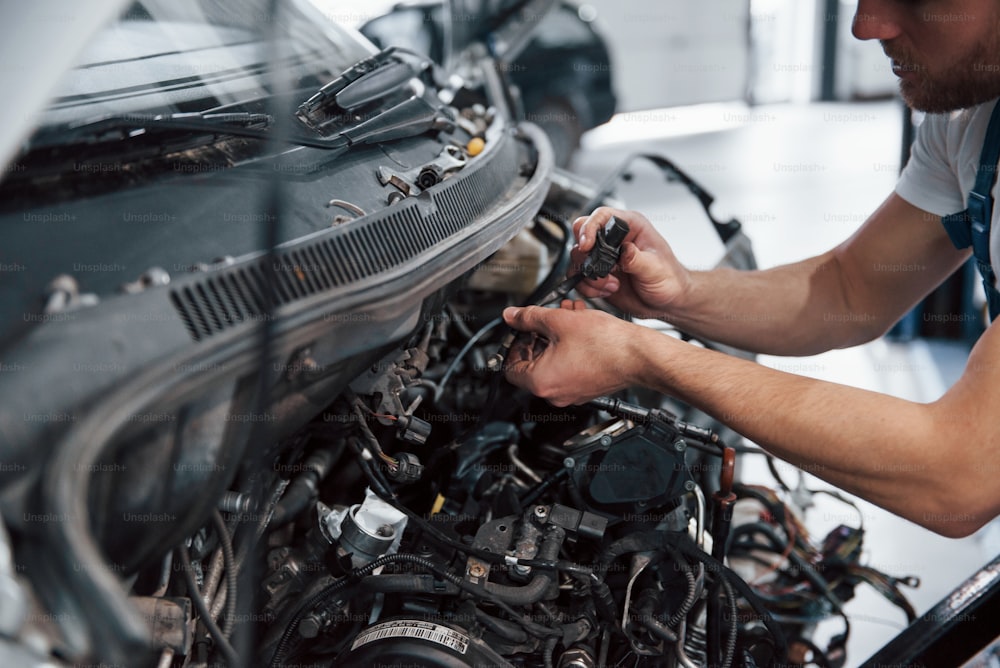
{"type": "Point", "coordinates": [972, 226]}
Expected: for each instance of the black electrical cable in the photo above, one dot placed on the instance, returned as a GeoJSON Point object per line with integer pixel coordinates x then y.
{"type": "Point", "coordinates": [548, 651]}
{"type": "Point", "coordinates": [804, 567]}
{"type": "Point", "coordinates": [730, 651]}
{"type": "Point", "coordinates": [483, 331]}
{"type": "Point", "coordinates": [506, 630]}
{"type": "Point", "coordinates": [229, 561]}
{"type": "Point", "coordinates": [655, 626]}
{"type": "Point", "coordinates": [726, 230]}
{"type": "Point", "coordinates": [659, 539]}
{"type": "Point", "coordinates": [772, 467]}
{"type": "Point", "coordinates": [843, 499]}
{"type": "Point", "coordinates": [370, 468]}
{"type": "Point", "coordinates": [559, 268]}
{"type": "Point", "coordinates": [777, 509]}
{"type": "Point", "coordinates": [535, 492]}
{"type": "Point", "coordinates": [692, 593]}
{"type": "Point", "coordinates": [575, 495]}
{"type": "Point", "coordinates": [221, 643]}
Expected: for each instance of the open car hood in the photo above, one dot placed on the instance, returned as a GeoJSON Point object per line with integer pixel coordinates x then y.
{"type": "Point", "coordinates": [25, 25]}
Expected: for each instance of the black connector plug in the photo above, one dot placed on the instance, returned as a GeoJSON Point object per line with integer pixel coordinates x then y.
{"type": "Point", "coordinates": [607, 249]}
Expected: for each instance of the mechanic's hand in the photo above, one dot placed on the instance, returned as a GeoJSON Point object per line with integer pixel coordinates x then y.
{"type": "Point", "coordinates": [575, 354]}
{"type": "Point", "coordinates": [648, 281]}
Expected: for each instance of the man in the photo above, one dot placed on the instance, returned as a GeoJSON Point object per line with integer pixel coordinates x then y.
{"type": "Point", "coordinates": [946, 54]}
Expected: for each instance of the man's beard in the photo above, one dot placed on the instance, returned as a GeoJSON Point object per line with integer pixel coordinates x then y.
{"type": "Point", "coordinates": [975, 79]}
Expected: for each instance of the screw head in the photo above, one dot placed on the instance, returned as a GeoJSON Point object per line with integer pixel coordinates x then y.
{"type": "Point", "coordinates": [605, 440]}
{"type": "Point", "coordinates": [310, 626]}
{"type": "Point", "coordinates": [689, 485]}
{"type": "Point", "coordinates": [477, 570]}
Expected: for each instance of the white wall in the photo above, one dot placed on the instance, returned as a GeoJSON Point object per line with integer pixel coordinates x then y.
{"type": "Point", "coordinates": [787, 50]}
{"type": "Point", "coordinates": [675, 52]}
{"type": "Point", "coordinates": [863, 70]}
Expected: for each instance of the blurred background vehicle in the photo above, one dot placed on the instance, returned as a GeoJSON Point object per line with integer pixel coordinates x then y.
{"type": "Point", "coordinates": [563, 74]}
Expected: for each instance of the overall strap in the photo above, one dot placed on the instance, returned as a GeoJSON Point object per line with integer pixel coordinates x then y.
{"type": "Point", "coordinates": [971, 227]}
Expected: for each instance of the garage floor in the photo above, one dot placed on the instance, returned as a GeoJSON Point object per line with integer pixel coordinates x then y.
{"type": "Point", "coordinates": [802, 178]}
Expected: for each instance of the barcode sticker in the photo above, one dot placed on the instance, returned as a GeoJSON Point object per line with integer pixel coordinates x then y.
{"type": "Point", "coordinates": [413, 629]}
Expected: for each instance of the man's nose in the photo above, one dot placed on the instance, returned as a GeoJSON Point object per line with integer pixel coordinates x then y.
{"type": "Point", "coordinates": [876, 19]}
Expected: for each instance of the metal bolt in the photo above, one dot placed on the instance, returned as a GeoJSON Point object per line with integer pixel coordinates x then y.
{"type": "Point", "coordinates": [680, 445]}
{"type": "Point", "coordinates": [689, 485]}
{"type": "Point", "coordinates": [311, 625]}
{"type": "Point", "coordinates": [235, 502]}
{"type": "Point", "coordinates": [605, 440]}
{"type": "Point", "coordinates": [494, 362]}
{"type": "Point", "coordinates": [541, 512]}
{"type": "Point", "coordinates": [477, 570]}
{"type": "Point", "coordinates": [155, 276]}
{"type": "Point", "coordinates": [569, 462]}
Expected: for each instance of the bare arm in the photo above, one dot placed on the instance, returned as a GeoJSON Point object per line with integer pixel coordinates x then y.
{"type": "Point", "coordinates": [934, 464]}
{"type": "Point", "coordinates": [841, 298]}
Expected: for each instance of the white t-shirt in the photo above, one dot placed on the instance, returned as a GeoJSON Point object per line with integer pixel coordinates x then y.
{"type": "Point", "coordinates": [943, 164]}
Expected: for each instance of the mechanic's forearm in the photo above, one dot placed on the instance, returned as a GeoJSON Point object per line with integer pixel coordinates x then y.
{"type": "Point", "coordinates": [795, 309]}
{"type": "Point", "coordinates": [891, 452]}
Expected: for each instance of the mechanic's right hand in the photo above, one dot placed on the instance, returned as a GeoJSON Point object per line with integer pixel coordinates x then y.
{"type": "Point", "coordinates": [648, 281]}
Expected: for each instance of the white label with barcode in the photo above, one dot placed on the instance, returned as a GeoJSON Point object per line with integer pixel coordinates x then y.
{"type": "Point", "coordinates": [414, 629]}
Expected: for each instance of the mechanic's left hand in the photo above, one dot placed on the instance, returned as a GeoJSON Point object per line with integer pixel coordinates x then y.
{"type": "Point", "coordinates": [583, 353]}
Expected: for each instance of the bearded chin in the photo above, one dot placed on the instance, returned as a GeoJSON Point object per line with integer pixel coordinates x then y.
{"type": "Point", "coordinates": [938, 97]}
{"type": "Point", "coordinates": [934, 99]}
{"type": "Point", "coordinates": [973, 81]}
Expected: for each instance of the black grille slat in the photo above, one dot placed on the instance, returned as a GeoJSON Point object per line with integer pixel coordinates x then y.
{"type": "Point", "coordinates": [319, 265]}
{"type": "Point", "coordinates": [376, 251]}
{"type": "Point", "coordinates": [201, 321]}
{"type": "Point", "coordinates": [326, 250]}
{"type": "Point", "coordinates": [346, 249]}
{"type": "Point", "coordinates": [366, 256]}
{"type": "Point", "coordinates": [283, 292]}
{"type": "Point", "coordinates": [311, 270]}
{"type": "Point", "coordinates": [186, 317]}
{"type": "Point", "coordinates": [395, 251]}
{"type": "Point", "coordinates": [233, 299]}
{"type": "Point", "coordinates": [411, 222]}
{"type": "Point", "coordinates": [218, 302]}
{"type": "Point", "coordinates": [257, 287]}
{"type": "Point", "coordinates": [212, 320]}
{"type": "Point", "coordinates": [302, 273]}
{"type": "Point", "coordinates": [245, 295]}
{"type": "Point", "coordinates": [407, 235]}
